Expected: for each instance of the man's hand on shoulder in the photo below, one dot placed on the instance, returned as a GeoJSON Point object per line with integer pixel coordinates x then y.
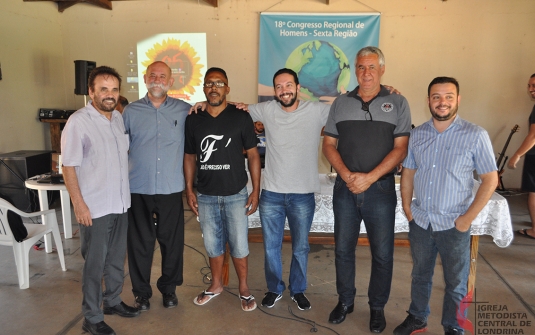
{"type": "Point", "coordinates": [199, 105]}
{"type": "Point", "coordinates": [240, 105]}
{"type": "Point", "coordinates": [391, 89]}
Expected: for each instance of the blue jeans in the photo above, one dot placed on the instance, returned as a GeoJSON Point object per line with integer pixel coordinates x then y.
{"type": "Point", "coordinates": [223, 219]}
{"type": "Point", "coordinates": [453, 247]}
{"type": "Point", "coordinates": [376, 206]}
{"type": "Point", "coordinates": [274, 209]}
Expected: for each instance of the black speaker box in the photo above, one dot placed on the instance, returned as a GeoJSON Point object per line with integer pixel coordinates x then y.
{"type": "Point", "coordinates": [15, 168]}
{"type": "Point", "coordinates": [82, 69]}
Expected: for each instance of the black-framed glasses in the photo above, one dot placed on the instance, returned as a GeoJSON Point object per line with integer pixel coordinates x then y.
{"type": "Point", "coordinates": [218, 84]}
{"type": "Point", "coordinates": [366, 108]}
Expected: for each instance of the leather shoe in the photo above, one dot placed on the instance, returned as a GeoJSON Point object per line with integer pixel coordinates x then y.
{"type": "Point", "coordinates": [123, 310]}
{"type": "Point", "coordinates": [170, 300]}
{"type": "Point", "coordinates": [142, 304]}
{"type": "Point", "coordinates": [100, 328]}
{"type": "Point", "coordinates": [338, 315]}
{"type": "Point", "coordinates": [377, 320]}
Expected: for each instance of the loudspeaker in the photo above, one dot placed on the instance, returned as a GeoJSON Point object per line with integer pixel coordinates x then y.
{"type": "Point", "coordinates": [15, 168]}
{"type": "Point", "coordinates": [82, 69]}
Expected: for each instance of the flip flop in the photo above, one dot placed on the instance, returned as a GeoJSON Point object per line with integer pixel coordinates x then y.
{"type": "Point", "coordinates": [524, 233]}
{"type": "Point", "coordinates": [210, 296]}
{"type": "Point", "coordinates": [247, 300]}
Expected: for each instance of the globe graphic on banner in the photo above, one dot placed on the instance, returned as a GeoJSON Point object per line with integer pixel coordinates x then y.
{"type": "Point", "coordinates": [322, 68]}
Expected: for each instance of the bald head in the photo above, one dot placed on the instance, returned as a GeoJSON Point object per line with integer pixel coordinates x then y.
{"type": "Point", "coordinates": [159, 64]}
{"type": "Point", "coordinates": [158, 79]}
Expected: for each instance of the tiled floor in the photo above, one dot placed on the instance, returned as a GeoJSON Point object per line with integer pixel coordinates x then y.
{"type": "Point", "coordinates": [505, 285]}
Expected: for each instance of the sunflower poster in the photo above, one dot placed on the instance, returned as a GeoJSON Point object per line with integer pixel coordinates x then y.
{"type": "Point", "coordinates": [186, 56]}
{"type": "Point", "coordinates": [320, 48]}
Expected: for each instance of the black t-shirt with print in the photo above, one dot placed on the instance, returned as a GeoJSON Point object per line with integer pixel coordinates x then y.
{"type": "Point", "coordinates": [218, 143]}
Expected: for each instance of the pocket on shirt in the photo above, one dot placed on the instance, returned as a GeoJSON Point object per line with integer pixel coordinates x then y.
{"type": "Point", "coordinates": [459, 160]}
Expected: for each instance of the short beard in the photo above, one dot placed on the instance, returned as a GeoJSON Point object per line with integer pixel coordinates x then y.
{"type": "Point", "coordinates": [446, 117]}
{"type": "Point", "coordinates": [292, 101]}
{"type": "Point", "coordinates": [215, 103]}
{"type": "Point", "coordinates": [100, 105]}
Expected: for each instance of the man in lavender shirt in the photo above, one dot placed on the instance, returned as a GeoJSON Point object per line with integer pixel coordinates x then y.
{"type": "Point", "coordinates": [94, 148]}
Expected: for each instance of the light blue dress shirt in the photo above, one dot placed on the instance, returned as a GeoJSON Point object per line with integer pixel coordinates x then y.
{"type": "Point", "coordinates": [156, 145]}
{"type": "Point", "coordinates": [444, 164]}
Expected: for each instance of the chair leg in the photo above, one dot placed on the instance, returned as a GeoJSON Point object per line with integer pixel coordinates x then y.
{"type": "Point", "coordinates": [59, 246]}
{"type": "Point", "coordinates": [22, 262]}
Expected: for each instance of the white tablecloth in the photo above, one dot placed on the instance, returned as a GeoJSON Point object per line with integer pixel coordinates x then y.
{"type": "Point", "coordinates": [493, 220]}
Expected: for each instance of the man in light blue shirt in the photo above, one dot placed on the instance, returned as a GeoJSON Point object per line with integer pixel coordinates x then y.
{"type": "Point", "coordinates": [156, 124]}
{"type": "Point", "coordinates": [442, 155]}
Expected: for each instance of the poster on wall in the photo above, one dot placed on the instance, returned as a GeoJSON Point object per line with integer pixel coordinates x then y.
{"type": "Point", "coordinates": [320, 48]}
{"type": "Point", "coordinates": [186, 56]}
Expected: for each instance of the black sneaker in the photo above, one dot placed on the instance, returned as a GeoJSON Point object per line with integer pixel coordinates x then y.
{"type": "Point", "coordinates": [270, 299]}
{"type": "Point", "coordinates": [453, 331]}
{"type": "Point", "coordinates": [302, 301]}
{"type": "Point", "coordinates": [410, 326]}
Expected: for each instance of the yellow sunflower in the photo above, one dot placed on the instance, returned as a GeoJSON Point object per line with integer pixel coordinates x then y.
{"type": "Point", "coordinates": [184, 64]}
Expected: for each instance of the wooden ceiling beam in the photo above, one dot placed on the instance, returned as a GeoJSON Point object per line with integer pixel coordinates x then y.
{"type": "Point", "coordinates": [64, 4]}
{"type": "Point", "coordinates": [212, 2]}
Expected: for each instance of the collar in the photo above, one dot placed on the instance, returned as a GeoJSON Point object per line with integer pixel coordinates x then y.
{"type": "Point", "coordinates": [148, 102]}
{"type": "Point", "coordinates": [93, 112]}
{"type": "Point", "coordinates": [354, 94]}
{"type": "Point", "coordinates": [457, 123]}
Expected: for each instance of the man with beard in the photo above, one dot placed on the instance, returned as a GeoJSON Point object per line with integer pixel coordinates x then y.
{"type": "Point", "coordinates": [293, 129]}
{"type": "Point", "coordinates": [155, 124]}
{"type": "Point", "coordinates": [442, 155]}
{"type": "Point", "coordinates": [528, 173]}
{"type": "Point", "coordinates": [215, 140]}
{"type": "Point", "coordinates": [95, 167]}
{"type": "Point", "coordinates": [366, 137]}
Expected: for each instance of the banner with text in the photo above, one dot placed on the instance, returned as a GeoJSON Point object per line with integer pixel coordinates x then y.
{"type": "Point", "coordinates": [320, 48]}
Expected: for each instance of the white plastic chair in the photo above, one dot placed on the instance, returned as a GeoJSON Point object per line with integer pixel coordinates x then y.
{"type": "Point", "coordinates": [21, 250]}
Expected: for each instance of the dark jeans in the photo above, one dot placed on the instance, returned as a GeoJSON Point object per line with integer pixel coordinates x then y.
{"type": "Point", "coordinates": [376, 207]}
{"type": "Point", "coordinates": [453, 247]}
{"type": "Point", "coordinates": [142, 235]}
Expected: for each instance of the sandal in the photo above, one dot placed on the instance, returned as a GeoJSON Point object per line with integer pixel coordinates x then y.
{"type": "Point", "coordinates": [247, 300]}
{"type": "Point", "coordinates": [204, 293]}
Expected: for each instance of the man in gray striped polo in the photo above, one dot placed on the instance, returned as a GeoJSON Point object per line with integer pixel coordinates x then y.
{"type": "Point", "coordinates": [366, 138]}
{"type": "Point", "coordinates": [443, 153]}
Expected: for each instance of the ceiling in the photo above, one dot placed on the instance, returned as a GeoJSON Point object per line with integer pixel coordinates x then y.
{"type": "Point", "coordinates": [106, 4]}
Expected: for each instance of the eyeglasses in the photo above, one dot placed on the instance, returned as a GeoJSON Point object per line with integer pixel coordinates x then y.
{"type": "Point", "coordinates": [218, 84]}
{"type": "Point", "coordinates": [366, 108]}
